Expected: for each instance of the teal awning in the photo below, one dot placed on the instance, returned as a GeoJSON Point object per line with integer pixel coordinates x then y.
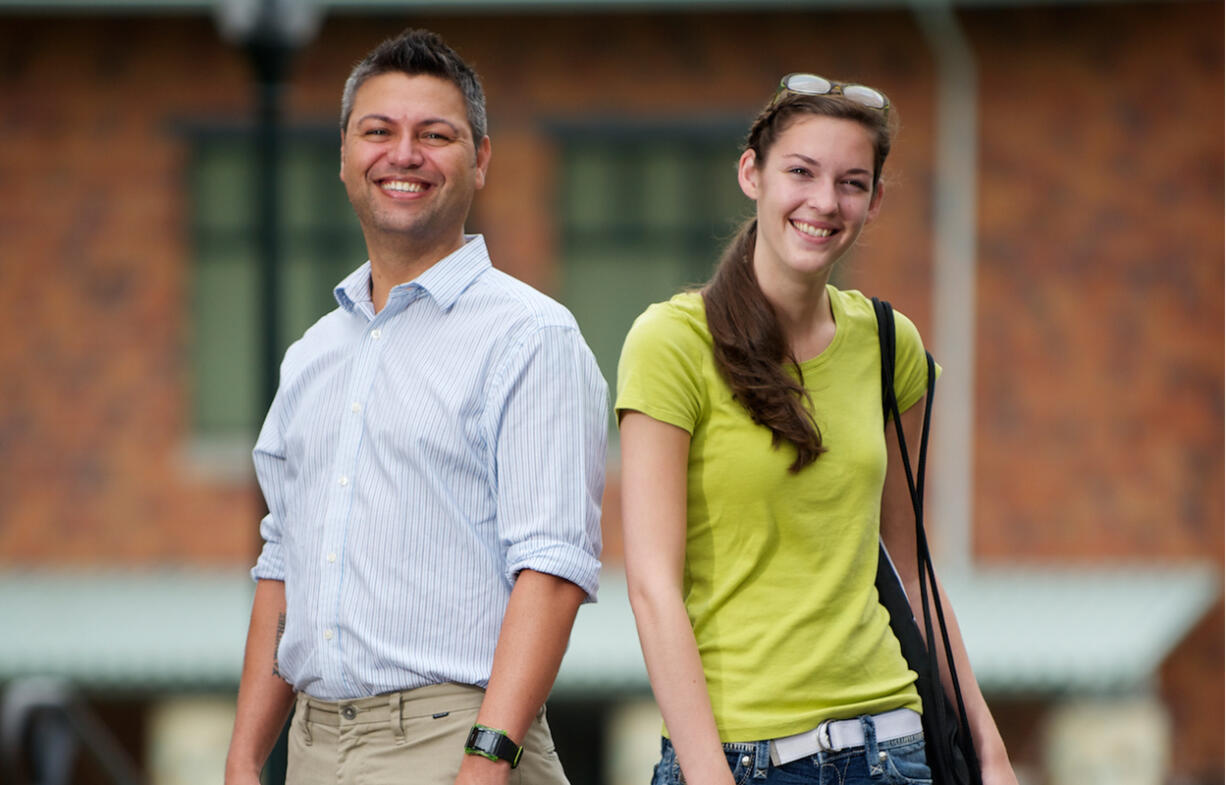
{"type": "Point", "coordinates": [1031, 631]}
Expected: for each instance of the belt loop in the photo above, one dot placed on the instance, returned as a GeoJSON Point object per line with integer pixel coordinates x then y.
{"type": "Point", "coordinates": [304, 705]}
{"type": "Point", "coordinates": [762, 760]}
{"type": "Point", "coordinates": [394, 701]}
{"type": "Point", "coordinates": [872, 756]}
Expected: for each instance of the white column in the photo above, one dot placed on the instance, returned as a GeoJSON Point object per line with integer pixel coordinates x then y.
{"type": "Point", "coordinates": [955, 238]}
{"type": "Point", "coordinates": [187, 739]}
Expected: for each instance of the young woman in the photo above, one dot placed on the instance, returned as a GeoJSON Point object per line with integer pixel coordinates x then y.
{"type": "Point", "coordinates": [757, 476]}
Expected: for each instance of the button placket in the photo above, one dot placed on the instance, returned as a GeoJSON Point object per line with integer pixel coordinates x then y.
{"type": "Point", "coordinates": [367, 348]}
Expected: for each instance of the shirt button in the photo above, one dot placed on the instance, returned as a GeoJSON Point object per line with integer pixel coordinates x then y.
{"type": "Point", "coordinates": [343, 481]}
{"type": "Point", "coordinates": [349, 712]}
{"type": "Point", "coordinates": [331, 558]}
{"type": "Point", "coordinates": [356, 407]}
{"type": "Point", "coordinates": [376, 334]}
{"type": "Point", "coordinates": [328, 635]}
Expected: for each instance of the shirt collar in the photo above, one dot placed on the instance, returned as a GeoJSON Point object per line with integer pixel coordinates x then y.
{"type": "Point", "coordinates": [444, 281]}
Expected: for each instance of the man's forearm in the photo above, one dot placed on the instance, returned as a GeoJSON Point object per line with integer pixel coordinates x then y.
{"type": "Point", "coordinates": [264, 698]}
{"type": "Point", "coordinates": [535, 631]}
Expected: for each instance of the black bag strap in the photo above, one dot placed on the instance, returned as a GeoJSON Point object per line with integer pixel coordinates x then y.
{"type": "Point", "coordinates": [915, 484]}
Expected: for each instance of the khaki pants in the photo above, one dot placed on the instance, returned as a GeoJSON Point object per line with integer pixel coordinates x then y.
{"type": "Point", "coordinates": [403, 738]}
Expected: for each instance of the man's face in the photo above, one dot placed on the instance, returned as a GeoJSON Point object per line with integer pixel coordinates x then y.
{"type": "Point", "coordinates": [409, 162]}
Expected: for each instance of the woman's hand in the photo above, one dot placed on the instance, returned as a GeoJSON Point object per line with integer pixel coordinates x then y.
{"type": "Point", "coordinates": [1000, 773]}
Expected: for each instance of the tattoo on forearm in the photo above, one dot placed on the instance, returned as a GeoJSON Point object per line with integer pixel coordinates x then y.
{"type": "Point", "coordinates": [276, 668]}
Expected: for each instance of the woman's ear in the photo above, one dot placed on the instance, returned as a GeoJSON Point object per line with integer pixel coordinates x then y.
{"type": "Point", "coordinates": [747, 174]}
{"type": "Point", "coordinates": [874, 206]}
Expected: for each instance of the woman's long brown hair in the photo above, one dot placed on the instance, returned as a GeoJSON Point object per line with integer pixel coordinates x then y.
{"type": "Point", "coordinates": [750, 347]}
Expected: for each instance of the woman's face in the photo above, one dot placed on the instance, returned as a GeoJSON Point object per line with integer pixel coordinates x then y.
{"type": "Point", "coordinates": [814, 193]}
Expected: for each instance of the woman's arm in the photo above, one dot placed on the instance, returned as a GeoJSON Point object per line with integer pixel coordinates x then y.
{"type": "Point", "coordinates": [654, 459]}
{"type": "Point", "coordinates": [898, 531]}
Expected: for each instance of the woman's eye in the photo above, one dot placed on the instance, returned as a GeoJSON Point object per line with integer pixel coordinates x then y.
{"type": "Point", "coordinates": [859, 185]}
{"type": "Point", "coordinates": [799, 170]}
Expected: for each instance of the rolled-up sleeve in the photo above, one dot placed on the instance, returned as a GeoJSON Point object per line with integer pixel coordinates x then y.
{"type": "Point", "coordinates": [552, 425]}
{"type": "Point", "coordinates": [269, 459]}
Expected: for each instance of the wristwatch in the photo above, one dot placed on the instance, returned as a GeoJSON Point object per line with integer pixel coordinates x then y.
{"type": "Point", "coordinates": [493, 744]}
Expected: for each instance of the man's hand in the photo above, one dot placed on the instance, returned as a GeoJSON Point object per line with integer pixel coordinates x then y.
{"type": "Point", "coordinates": [479, 770]}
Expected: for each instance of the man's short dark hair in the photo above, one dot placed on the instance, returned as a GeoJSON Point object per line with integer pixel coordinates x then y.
{"type": "Point", "coordinates": [415, 52]}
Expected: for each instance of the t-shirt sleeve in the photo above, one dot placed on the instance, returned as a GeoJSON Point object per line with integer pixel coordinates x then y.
{"type": "Point", "coordinates": [660, 370]}
{"type": "Point", "coordinates": [910, 363]}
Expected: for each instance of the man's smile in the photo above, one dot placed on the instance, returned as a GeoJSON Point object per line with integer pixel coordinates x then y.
{"type": "Point", "coordinates": [404, 186]}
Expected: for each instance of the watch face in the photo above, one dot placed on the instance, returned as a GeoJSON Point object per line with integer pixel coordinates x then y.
{"type": "Point", "coordinates": [493, 745]}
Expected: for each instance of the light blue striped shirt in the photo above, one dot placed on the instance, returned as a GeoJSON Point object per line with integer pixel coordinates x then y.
{"type": "Point", "coordinates": [413, 462]}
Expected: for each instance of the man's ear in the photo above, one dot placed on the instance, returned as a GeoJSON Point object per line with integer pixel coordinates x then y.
{"type": "Point", "coordinates": [483, 160]}
{"type": "Point", "coordinates": [747, 174]}
{"type": "Point", "coordinates": [341, 174]}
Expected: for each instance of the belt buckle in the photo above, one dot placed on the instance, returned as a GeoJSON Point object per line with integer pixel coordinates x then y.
{"type": "Point", "coordinates": [823, 737]}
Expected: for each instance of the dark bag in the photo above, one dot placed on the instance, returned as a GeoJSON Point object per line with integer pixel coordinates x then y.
{"type": "Point", "coordinates": [947, 732]}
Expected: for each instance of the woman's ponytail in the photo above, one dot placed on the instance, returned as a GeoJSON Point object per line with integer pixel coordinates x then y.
{"type": "Point", "coordinates": [750, 350]}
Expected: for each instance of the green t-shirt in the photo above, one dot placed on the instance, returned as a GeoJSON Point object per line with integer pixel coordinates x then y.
{"type": "Point", "coordinates": [780, 567]}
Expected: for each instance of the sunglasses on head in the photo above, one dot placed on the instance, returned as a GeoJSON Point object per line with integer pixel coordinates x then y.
{"type": "Point", "coordinates": [812, 84]}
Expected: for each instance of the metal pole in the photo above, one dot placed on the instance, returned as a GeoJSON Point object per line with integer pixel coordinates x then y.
{"type": "Point", "coordinates": [270, 59]}
{"type": "Point", "coordinates": [269, 31]}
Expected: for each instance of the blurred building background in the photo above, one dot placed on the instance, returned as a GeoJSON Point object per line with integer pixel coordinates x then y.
{"type": "Point", "coordinates": [1053, 222]}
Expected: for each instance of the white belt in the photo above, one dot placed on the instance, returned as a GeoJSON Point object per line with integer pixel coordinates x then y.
{"type": "Point", "coordinates": [833, 735]}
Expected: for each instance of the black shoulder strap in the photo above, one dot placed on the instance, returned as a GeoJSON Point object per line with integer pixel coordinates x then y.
{"type": "Point", "coordinates": [915, 484]}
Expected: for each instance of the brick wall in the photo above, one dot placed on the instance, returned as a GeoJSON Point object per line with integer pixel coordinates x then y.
{"type": "Point", "coordinates": [93, 260]}
{"type": "Point", "coordinates": [1099, 385]}
{"type": "Point", "coordinates": [1100, 388]}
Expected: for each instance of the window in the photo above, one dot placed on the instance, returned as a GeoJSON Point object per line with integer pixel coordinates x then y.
{"type": "Point", "coordinates": [321, 242]}
{"type": "Point", "coordinates": [645, 213]}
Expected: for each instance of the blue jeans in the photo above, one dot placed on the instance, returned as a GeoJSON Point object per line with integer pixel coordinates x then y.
{"type": "Point", "coordinates": [897, 762]}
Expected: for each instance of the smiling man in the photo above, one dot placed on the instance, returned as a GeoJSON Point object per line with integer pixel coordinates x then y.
{"type": "Point", "coordinates": [433, 465]}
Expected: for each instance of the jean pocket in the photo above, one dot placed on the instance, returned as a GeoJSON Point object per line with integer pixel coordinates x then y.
{"type": "Point", "coordinates": [741, 764]}
{"type": "Point", "coordinates": [668, 770]}
{"type": "Point", "coordinates": [905, 763]}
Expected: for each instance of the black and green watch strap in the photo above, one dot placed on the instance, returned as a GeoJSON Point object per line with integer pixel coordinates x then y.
{"type": "Point", "coordinates": [493, 744]}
